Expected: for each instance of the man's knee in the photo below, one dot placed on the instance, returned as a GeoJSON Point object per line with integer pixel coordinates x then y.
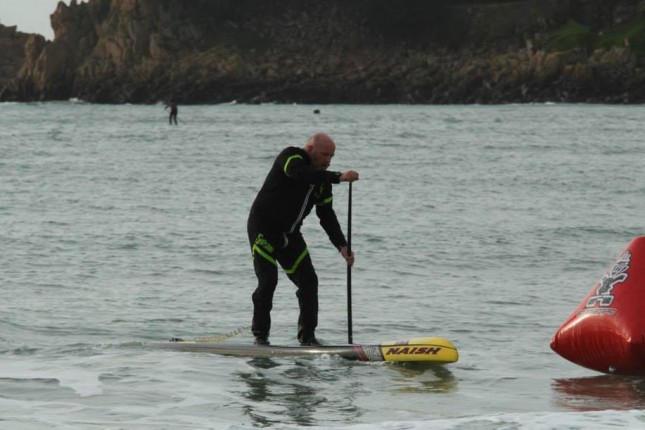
{"type": "Point", "coordinates": [305, 278]}
{"type": "Point", "coordinates": [267, 282]}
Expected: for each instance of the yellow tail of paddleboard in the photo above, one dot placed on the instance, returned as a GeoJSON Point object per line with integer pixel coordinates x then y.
{"type": "Point", "coordinates": [428, 349]}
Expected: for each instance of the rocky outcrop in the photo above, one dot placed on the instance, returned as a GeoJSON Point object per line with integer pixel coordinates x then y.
{"type": "Point", "coordinates": [12, 51]}
{"type": "Point", "coordinates": [337, 51]}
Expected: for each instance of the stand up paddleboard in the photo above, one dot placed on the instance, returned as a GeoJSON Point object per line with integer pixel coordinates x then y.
{"type": "Point", "coordinates": [427, 349]}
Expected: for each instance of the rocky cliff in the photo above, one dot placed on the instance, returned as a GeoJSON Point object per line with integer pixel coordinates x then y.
{"type": "Point", "coordinates": [12, 51]}
{"type": "Point", "coordinates": [337, 51]}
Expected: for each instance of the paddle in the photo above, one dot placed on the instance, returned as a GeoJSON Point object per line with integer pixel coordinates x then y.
{"type": "Point", "coordinates": [349, 268]}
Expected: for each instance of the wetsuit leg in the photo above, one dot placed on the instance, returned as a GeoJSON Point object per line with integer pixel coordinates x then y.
{"type": "Point", "coordinates": [296, 261]}
{"type": "Point", "coordinates": [266, 270]}
{"type": "Point", "coordinates": [267, 275]}
{"type": "Point", "coordinates": [306, 280]}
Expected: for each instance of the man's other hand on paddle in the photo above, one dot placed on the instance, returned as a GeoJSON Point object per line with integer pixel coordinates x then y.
{"type": "Point", "coordinates": [349, 257]}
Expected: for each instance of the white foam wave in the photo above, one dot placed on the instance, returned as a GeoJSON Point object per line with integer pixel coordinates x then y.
{"type": "Point", "coordinates": [598, 420]}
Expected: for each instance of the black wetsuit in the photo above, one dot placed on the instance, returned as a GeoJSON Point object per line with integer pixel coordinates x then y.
{"type": "Point", "coordinates": [291, 189]}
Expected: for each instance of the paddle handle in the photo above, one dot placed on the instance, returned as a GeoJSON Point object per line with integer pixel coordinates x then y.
{"type": "Point", "coordinates": [349, 268]}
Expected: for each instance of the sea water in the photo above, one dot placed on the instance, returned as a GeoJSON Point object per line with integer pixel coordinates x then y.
{"type": "Point", "coordinates": [486, 225]}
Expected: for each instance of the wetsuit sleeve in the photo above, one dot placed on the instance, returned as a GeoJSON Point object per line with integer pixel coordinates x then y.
{"type": "Point", "coordinates": [329, 221]}
{"type": "Point", "coordinates": [296, 168]}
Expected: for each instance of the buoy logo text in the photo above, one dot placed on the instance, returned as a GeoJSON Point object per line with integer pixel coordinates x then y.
{"type": "Point", "coordinates": [617, 275]}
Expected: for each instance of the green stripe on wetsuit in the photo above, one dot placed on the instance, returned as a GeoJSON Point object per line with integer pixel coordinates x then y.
{"type": "Point", "coordinates": [265, 250]}
{"type": "Point", "coordinates": [326, 201]}
{"type": "Point", "coordinates": [286, 164]}
{"type": "Point", "coordinates": [261, 242]}
{"type": "Point", "coordinates": [302, 255]}
{"type": "Point", "coordinates": [264, 254]}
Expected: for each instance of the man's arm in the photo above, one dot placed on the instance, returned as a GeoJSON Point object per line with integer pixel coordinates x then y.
{"type": "Point", "coordinates": [330, 224]}
{"type": "Point", "coordinates": [297, 168]}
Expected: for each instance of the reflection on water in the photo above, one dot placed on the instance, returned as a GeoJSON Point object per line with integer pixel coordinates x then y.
{"type": "Point", "coordinates": [599, 393]}
{"type": "Point", "coordinates": [299, 392]}
{"type": "Point", "coordinates": [419, 377]}
{"type": "Point", "coordinates": [307, 391]}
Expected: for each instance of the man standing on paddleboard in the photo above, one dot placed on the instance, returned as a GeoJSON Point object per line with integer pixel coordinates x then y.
{"type": "Point", "coordinates": [298, 180]}
{"type": "Point", "coordinates": [173, 111]}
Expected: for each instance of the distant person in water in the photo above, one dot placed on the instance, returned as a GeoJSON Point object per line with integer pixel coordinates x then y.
{"type": "Point", "coordinates": [173, 112]}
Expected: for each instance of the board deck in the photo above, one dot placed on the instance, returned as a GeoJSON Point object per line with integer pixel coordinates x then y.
{"type": "Point", "coordinates": [430, 349]}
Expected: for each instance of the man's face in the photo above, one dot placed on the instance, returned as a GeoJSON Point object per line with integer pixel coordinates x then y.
{"type": "Point", "coordinates": [321, 153]}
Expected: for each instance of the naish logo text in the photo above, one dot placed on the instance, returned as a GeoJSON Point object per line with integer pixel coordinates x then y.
{"type": "Point", "coordinates": [617, 275]}
{"type": "Point", "coordinates": [405, 350]}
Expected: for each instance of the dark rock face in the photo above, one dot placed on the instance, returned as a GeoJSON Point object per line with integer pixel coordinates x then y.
{"type": "Point", "coordinates": [334, 51]}
{"type": "Point", "coordinates": [12, 51]}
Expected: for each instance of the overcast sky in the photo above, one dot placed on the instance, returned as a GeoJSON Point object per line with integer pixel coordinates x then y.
{"type": "Point", "coordinates": [31, 16]}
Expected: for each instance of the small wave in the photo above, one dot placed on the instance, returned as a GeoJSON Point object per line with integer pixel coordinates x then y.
{"type": "Point", "coordinates": [83, 382]}
{"type": "Point", "coordinates": [208, 271]}
{"type": "Point", "coordinates": [23, 350]}
{"type": "Point", "coordinates": [598, 420]}
{"type": "Point", "coordinates": [452, 120]}
{"type": "Point", "coordinates": [163, 320]}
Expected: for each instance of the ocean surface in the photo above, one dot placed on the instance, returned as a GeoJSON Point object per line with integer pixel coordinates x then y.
{"type": "Point", "coordinates": [486, 225]}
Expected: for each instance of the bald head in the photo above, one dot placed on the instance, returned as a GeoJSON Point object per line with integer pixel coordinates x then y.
{"type": "Point", "coordinates": [320, 148]}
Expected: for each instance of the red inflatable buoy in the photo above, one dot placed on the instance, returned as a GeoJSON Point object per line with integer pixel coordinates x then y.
{"type": "Point", "coordinates": [607, 331]}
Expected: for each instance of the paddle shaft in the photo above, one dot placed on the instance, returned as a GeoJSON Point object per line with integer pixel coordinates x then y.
{"type": "Point", "coordinates": [349, 268]}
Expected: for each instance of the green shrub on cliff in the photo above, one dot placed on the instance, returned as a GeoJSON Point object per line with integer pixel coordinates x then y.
{"type": "Point", "coordinates": [571, 35]}
{"type": "Point", "coordinates": [630, 35]}
{"type": "Point", "coordinates": [575, 35]}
